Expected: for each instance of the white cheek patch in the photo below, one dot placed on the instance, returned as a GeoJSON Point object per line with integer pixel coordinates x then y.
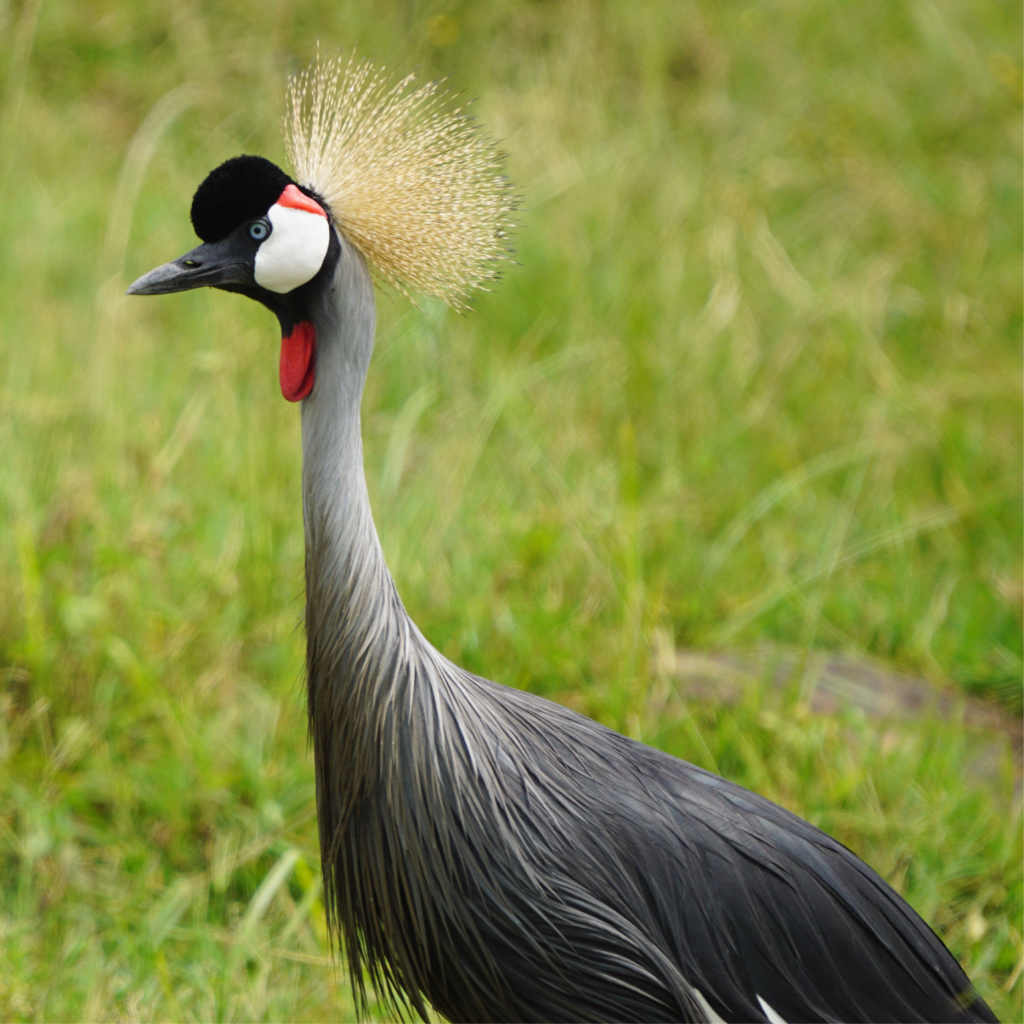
{"type": "Point", "coordinates": [295, 250]}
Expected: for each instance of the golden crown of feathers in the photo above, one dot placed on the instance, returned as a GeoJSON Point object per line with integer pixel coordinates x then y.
{"type": "Point", "coordinates": [410, 180]}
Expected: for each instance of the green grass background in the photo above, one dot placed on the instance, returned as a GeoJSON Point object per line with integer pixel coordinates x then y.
{"type": "Point", "coordinates": [755, 379]}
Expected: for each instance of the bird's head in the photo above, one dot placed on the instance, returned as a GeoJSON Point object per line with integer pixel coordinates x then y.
{"type": "Point", "coordinates": [410, 185]}
{"type": "Point", "coordinates": [266, 237]}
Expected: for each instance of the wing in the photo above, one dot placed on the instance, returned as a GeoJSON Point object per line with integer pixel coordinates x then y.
{"type": "Point", "coordinates": [751, 904]}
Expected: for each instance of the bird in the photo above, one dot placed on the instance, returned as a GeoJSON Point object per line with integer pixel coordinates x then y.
{"type": "Point", "coordinates": [485, 852]}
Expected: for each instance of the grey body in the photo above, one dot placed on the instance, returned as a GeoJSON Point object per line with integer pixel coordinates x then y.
{"type": "Point", "coordinates": [506, 859]}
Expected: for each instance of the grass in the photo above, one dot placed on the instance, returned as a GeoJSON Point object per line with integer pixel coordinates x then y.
{"type": "Point", "coordinates": [755, 378]}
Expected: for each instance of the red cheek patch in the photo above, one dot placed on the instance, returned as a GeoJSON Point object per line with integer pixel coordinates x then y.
{"type": "Point", "coordinates": [296, 368]}
{"type": "Point", "coordinates": [296, 200]}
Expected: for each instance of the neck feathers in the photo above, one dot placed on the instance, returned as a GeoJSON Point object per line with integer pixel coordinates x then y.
{"type": "Point", "coordinates": [358, 633]}
{"type": "Point", "coordinates": [369, 669]}
{"type": "Point", "coordinates": [394, 738]}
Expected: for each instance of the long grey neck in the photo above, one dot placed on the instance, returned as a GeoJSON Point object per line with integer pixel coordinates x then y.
{"type": "Point", "coordinates": [335, 505]}
{"type": "Point", "coordinates": [359, 637]}
{"type": "Point", "coordinates": [400, 754]}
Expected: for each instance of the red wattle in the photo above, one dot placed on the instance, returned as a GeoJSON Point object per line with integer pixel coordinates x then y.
{"type": "Point", "coordinates": [296, 369]}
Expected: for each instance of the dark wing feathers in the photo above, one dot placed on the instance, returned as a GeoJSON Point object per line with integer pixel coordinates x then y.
{"type": "Point", "coordinates": [667, 876]}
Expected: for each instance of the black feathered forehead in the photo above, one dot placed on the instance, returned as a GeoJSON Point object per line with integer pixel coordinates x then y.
{"type": "Point", "coordinates": [241, 189]}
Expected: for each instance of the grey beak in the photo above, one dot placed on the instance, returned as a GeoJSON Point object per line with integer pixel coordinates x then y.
{"type": "Point", "coordinates": [209, 265]}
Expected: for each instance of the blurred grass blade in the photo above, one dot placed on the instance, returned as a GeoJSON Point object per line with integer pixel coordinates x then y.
{"type": "Point", "coordinates": [17, 70]}
{"type": "Point", "coordinates": [110, 300]}
{"type": "Point", "coordinates": [267, 890]}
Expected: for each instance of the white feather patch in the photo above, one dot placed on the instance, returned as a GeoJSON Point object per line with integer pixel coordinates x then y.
{"type": "Point", "coordinates": [771, 1014]}
{"type": "Point", "coordinates": [712, 1017]}
{"type": "Point", "coordinates": [295, 250]}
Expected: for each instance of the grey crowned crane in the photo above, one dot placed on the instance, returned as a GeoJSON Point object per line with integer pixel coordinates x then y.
{"type": "Point", "coordinates": [485, 851]}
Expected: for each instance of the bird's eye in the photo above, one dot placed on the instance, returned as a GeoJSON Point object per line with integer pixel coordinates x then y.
{"type": "Point", "coordinates": [258, 230]}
